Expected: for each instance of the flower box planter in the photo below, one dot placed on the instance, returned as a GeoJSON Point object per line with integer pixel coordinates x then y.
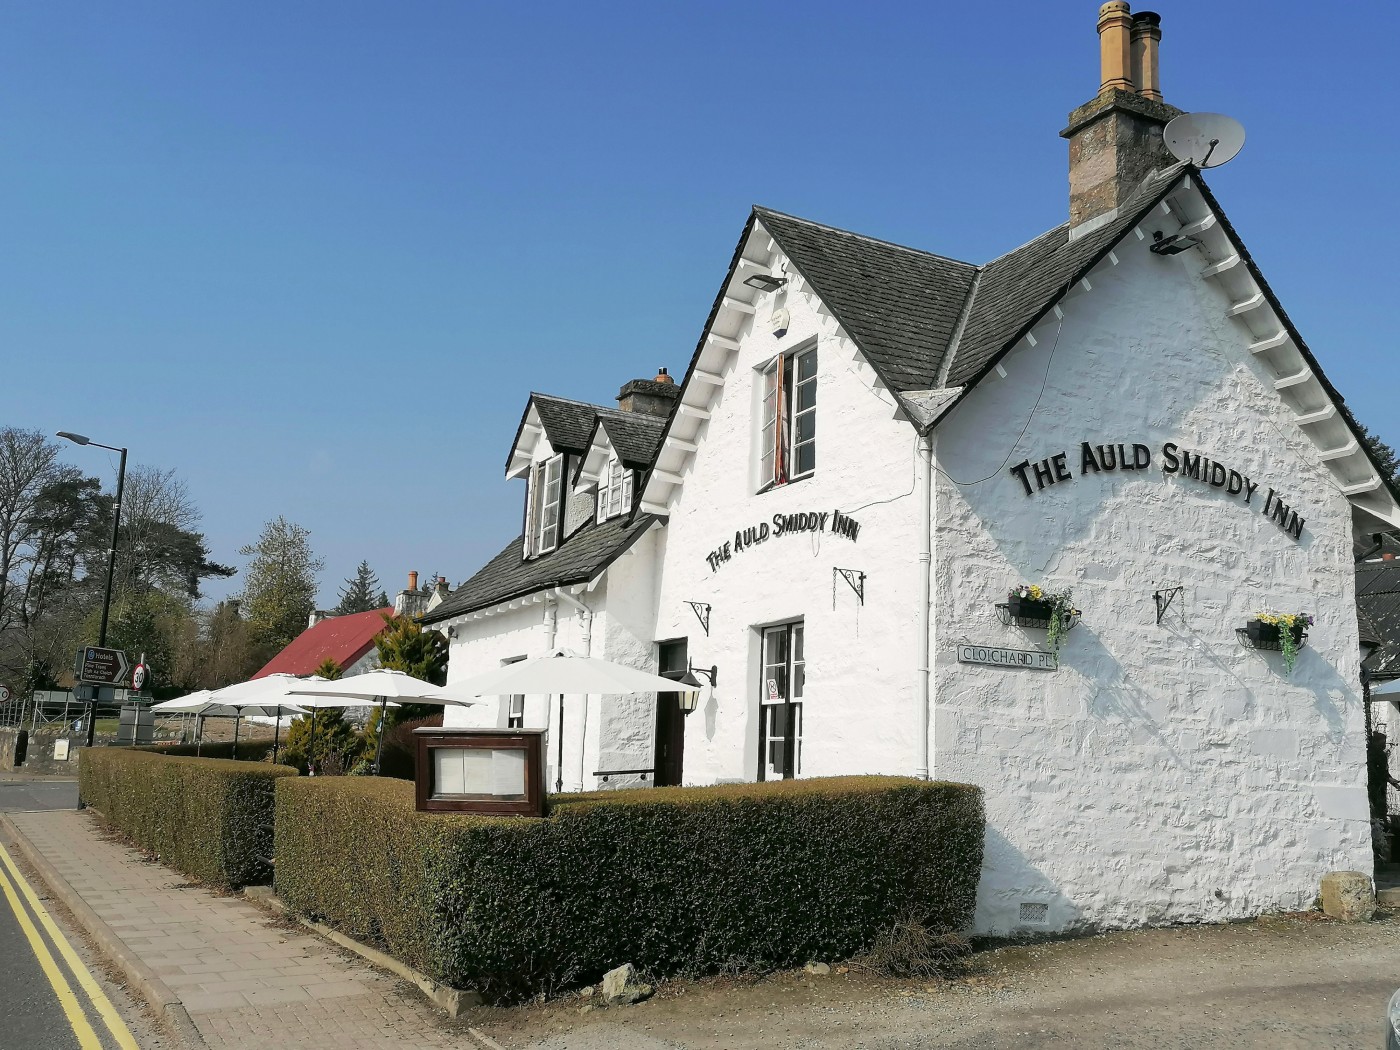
{"type": "Point", "coordinates": [1028, 609]}
{"type": "Point", "coordinates": [1261, 635]}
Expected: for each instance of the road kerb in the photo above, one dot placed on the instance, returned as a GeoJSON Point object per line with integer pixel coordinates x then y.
{"type": "Point", "coordinates": [141, 977]}
{"type": "Point", "coordinates": [451, 1000]}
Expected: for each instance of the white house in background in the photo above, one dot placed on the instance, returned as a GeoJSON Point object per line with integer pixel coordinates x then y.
{"type": "Point", "coordinates": [873, 444]}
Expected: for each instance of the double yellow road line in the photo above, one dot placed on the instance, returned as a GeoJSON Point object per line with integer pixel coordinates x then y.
{"type": "Point", "coordinates": [14, 886]}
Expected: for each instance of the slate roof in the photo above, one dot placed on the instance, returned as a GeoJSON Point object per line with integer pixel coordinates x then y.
{"type": "Point", "coordinates": [900, 305]}
{"type": "Point", "coordinates": [636, 437]}
{"type": "Point", "coordinates": [584, 554]}
{"type": "Point", "coordinates": [1015, 290]}
{"type": "Point", "coordinates": [568, 424]}
{"type": "Point", "coordinates": [343, 639]}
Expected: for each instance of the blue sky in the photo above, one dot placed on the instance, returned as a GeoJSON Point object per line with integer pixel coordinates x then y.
{"type": "Point", "coordinates": [314, 256]}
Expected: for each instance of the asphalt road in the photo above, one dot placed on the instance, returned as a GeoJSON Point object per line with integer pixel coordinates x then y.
{"type": "Point", "coordinates": [50, 999]}
{"type": "Point", "coordinates": [20, 795]}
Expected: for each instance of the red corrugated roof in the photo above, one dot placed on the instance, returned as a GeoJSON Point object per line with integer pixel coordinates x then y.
{"type": "Point", "coordinates": [343, 639]}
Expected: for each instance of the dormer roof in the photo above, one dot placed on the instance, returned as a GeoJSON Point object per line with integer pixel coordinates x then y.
{"type": "Point", "coordinates": [633, 436]}
{"type": "Point", "coordinates": [565, 423]}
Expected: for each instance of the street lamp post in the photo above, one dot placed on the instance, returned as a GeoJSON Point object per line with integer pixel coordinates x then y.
{"type": "Point", "coordinates": [79, 439]}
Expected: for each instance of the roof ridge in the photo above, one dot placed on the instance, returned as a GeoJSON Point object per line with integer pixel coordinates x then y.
{"type": "Point", "coordinates": [570, 400]}
{"type": "Point", "coordinates": [1026, 244]}
{"type": "Point", "coordinates": [632, 417]}
{"type": "Point", "coordinates": [761, 210]}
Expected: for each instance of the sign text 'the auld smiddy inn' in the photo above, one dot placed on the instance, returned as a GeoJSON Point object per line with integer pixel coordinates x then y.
{"type": "Point", "coordinates": [834, 522]}
{"type": "Point", "coordinates": [1097, 459]}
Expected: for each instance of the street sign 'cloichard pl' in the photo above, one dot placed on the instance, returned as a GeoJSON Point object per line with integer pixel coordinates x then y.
{"type": "Point", "coordinates": [101, 666]}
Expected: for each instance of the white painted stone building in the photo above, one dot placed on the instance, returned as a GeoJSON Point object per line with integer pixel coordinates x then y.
{"type": "Point", "coordinates": [873, 444]}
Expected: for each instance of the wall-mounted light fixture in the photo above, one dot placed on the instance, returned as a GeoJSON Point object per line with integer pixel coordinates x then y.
{"type": "Point", "coordinates": [691, 685]}
{"type": "Point", "coordinates": [765, 282]}
{"type": "Point", "coordinates": [1173, 245]}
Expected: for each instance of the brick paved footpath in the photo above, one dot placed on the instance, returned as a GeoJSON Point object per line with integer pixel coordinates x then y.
{"type": "Point", "coordinates": [247, 981]}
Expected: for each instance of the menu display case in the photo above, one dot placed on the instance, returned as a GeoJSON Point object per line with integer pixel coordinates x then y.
{"type": "Point", "coordinates": [489, 771]}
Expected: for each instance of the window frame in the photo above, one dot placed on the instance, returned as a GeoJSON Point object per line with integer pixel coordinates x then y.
{"type": "Point", "coordinates": [615, 487]}
{"type": "Point", "coordinates": [792, 684]}
{"type": "Point", "coordinates": [542, 537]}
{"type": "Point", "coordinates": [781, 416]}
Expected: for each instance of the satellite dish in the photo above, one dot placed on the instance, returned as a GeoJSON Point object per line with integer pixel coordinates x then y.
{"type": "Point", "coordinates": [1206, 140]}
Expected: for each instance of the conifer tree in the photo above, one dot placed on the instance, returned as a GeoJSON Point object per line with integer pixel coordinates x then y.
{"type": "Point", "coordinates": [361, 593]}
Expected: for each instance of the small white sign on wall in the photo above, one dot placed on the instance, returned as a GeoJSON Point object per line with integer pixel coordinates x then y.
{"type": "Point", "coordinates": [774, 697]}
{"type": "Point", "coordinates": [60, 750]}
{"type": "Point", "coordinates": [1035, 659]}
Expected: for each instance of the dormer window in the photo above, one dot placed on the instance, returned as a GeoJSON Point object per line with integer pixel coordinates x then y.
{"type": "Point", "coordinates": [614, 490]}
{"type": "Point", "coordinates": [787, 440]}
{"type": "Point", "coordinates": [543, 507]}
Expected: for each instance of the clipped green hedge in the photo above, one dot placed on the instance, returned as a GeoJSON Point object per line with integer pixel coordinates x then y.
{"type": "Point", "coordinates": [673, 880]}
{"type": "Point", "coordinates": [248, 750]}
{"type": "Point", "coordinates": [209, 818]}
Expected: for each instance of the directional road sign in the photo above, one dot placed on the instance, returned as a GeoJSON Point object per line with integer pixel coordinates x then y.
{"type": "Point", "coordinates": [102, 666]}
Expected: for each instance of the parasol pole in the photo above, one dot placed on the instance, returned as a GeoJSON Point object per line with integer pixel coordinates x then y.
{"type": "Point", "coordinates": [379, 738]}
{"type": "Point", "coordinates": [311, 744]}
{"type": "Point", "coordinates": [198, 734]}
{"type": "Point", "coordinates": [559, 766]}
{"type": "Point", "coordinates": [237, 720]}
{"type": "Point", "coordinates": [276, 729]}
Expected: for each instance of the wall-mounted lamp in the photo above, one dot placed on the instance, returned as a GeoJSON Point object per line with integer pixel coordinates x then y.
{"type": "Point", "coordinates": [765, 282]}
{"type": "Point", "coordinates": [1173, 245]}
{"type": "Point", "coordinates": [691, 686]}
{"type": "Point", "coordinates": [451, 632]}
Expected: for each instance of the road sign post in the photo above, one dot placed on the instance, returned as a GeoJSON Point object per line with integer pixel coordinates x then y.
{"type": "Point", "coordinates": [101, 670]}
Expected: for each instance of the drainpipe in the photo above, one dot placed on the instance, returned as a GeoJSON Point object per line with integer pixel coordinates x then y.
{"type": "Point", "coordinates": [551, 623]}
{"type": "Point", "coordinates": [922, 698]}
{"type": "Point", "coordinates": [587, 615]}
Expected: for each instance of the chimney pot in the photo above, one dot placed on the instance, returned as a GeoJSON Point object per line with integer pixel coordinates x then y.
{"type": "Point", "coordinates": [662, 377]}
{"type": "Point", "coordinates": [413, 580]}
{"type": "Point", "coordinates": [1147, 73]}
{"type": "Point", "coordinates": [1116, 47]}
{"type": "Point", "coordinates": [1115, 139]}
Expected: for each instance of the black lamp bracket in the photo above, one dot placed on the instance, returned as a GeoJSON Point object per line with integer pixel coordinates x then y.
{"type": "Point", "coordinates": [854, 578]}
{"type": "Point", "coordinates": [1164, 598]}
{"type": "Point", "coordinates": [702, 613]}
{"type": "Point", "coordinates": [712, 673]}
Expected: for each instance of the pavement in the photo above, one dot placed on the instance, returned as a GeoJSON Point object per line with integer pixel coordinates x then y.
{"type": "Point", "coordinates": [219, 968]}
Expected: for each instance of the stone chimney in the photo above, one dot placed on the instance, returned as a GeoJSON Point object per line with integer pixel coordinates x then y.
{"type": "Point", "coordinates": [1115, 140]}
{"type": "Point", "coordinates": [411, 601]}
{"type": "Point", "coordinates": [317, 615]}
{"type": "Point", "coordinates": [649, 397]}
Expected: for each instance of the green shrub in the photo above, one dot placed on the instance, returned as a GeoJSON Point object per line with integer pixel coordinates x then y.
{"type": "Point", "coordinates": [325, 737]}
{"type": "Point", "coordinates": [209, 818]}
{"type": "Point", "coordinates": [674, 880]}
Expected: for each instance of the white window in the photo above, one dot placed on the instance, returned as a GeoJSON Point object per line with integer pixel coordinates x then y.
{"type": "Point", "coordinates": [614, 490]}
{"type": "Point", "coordinates": [780, 702]}
{"type": "Point", "coordinates": [788, 435]}
{"type": "Point", "coordinates": [544, 506]}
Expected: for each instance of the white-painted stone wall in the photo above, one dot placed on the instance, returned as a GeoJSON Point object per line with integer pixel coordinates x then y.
{"type": "Point", "coordinates": [1163, 773]}
{"type": "Point", "coordinates": [860, 660]}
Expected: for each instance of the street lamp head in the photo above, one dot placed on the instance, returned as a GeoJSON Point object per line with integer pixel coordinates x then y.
{"type": "Point", "coordinates": [77, 439]}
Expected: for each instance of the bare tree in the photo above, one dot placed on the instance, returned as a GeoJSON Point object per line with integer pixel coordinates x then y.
{"type": "Point", "coordinates": [28, 462]}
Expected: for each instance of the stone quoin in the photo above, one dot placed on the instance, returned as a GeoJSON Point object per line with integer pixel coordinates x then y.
{"type": "Point", "coordinates": [1086, 413]}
